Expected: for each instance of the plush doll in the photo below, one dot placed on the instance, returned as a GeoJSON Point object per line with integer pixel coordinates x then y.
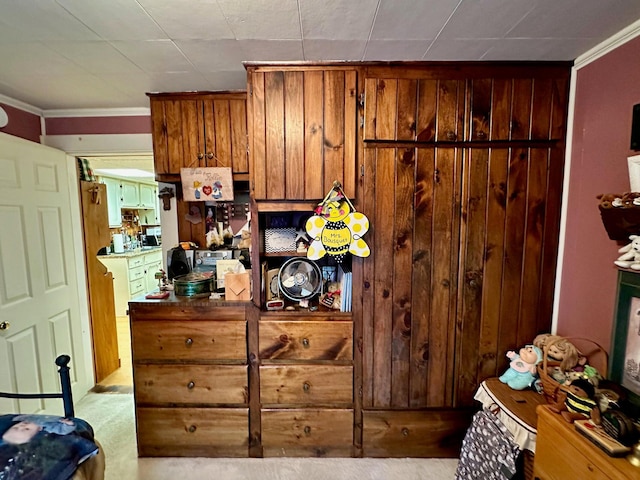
{"type": "Point", "coordinates": [522, 369]}
{"type": "Point", "coordinates": [607, 199]}
{"type": "Point", "coordinates": [559, 350]}
{"type": "Point", "coordinates": [579, 403]}
{"type": "Point", "coordinates": [245, 239]}
{"type": "Point", "coordinates": [630, 257]}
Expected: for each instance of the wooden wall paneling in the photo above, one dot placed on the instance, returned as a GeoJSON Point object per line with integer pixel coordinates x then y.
{"type": "Point", "coordinates": [350, 134]}
{"type": "Point", "coordinates": [368, 201]}
{"type": "Point", "coordinates": [386, 109]}
{"type": "Point", "coordinates": [206, 132]}
{"type": "Point", "coordinates": [541, 109]}
{"type": "Point", "coordinates": [555, 176]}
{"type": "Point", "coordinates": [421, 277]}
{"type": "Point", "coordinates": [222, 128]}
{"type": "Point", "coordinates": [239, 153]}
{"type": "Point", "coordinates": [174, 135]}
{"type": "Point", "coordinates": [383, 221]}
{"type": "Point", "coordinates": [294, 134]}
{"type": "Point", "coordinates": [370, 101]}
{"type": "Point", "coordinates": [511, 291]}
{"type": "Point", "coordinates": [426, 105]}
{"type": "Point", "coordinates": [480, 112]}
{"type": "Point", "coordinates": [257, 135]}
{"type": "Point", "coordinates": [445, 234]}
{"type": "Point", "coordinates": [560, 91]}
{"type": "Point", "coordinates": [493, 264]}
{"type": "Point", "coordinates": [334, 118]}
{"type": "Point", "coordinates": [534, 233]}
{"type": "Point", "coordinates": [470, 285]}
{"type": "Point", "coordinates": [274, 145]}
{"type": "Point", "coordinates": [159, 136]}
{"type": "Point", "coordinates": [450, 110]}
{"type": "Point", "coordinates": [521, 109]}
{"type": "Point", "coordinates": [501, 119]}
{"type": "Point", "coordinates": [402, 333]}
{"type": "Point", "coordinates": [406, 114]}
{"type": "Point", "coordinates": [313, 134]}
{"type": "Point", "coordinates": [255, 426]}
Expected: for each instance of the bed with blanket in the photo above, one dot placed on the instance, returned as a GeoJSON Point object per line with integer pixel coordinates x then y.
{"type": "Point", "coordinates": [48, 447]}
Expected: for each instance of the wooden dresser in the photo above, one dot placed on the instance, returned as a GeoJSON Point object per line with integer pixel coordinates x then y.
{"type": "Point", "coordinates": [563, 453]}
{"type": "Point", "coordinates": [306, 384]}
{"type": "Point", "coordinates": [190, 378]}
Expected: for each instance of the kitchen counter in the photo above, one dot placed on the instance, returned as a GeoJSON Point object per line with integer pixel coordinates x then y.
{"type": "Point", "coordinates": [133, 253]}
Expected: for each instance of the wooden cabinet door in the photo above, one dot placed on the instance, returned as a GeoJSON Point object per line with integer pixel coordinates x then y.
{"type": "Point", "coordinates": [302, 131]}
{"type": "Point", "coordinates": [412, 198]}
{"type": "Point", "coordinates": [198, 130]}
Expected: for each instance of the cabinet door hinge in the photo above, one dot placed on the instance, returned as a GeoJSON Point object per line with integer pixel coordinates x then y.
{"type": "Point", "coordinates": [362, 170]}
{"type": "Point", "coordinates": [361, 100]}
{"type": "Point", "coordinates": [361, 121]}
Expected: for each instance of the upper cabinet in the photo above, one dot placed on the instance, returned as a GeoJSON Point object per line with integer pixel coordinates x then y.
{"type": "Point", "coordinates": [302, 130]}
{"type": "Point", "coordinates": [457, 104]}
{"type": "Point", "coordinates": [198, 130]}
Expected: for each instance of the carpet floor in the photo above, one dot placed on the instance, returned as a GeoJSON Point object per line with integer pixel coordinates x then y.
{"type": "Point", "coordinates": [112, 418]}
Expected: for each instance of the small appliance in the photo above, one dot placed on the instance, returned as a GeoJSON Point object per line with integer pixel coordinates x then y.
{"type": "Point", "coordinates": [205, 260]}
{"type": "Point", "coordinates": [179, 262]}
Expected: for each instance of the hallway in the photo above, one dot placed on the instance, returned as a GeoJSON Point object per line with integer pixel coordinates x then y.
{"type": "Point", "coordinates": [121, 380]}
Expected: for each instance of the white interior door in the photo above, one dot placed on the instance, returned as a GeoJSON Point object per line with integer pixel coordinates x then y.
{"type": "Point", "coordinates": [38, 275]}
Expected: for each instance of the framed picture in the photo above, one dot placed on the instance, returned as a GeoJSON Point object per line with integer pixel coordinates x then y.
{"type": "Point", "coordinates": [624, 358]}
{"type": "Point", "coordinates": [207, 184]}
{"type": "Point", "coordinates": [634, 173]}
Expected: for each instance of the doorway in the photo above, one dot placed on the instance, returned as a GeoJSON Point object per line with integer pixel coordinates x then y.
{"type": "Point", "coordinates": [136, 169]}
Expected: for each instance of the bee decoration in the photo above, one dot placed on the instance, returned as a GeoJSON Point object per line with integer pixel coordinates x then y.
{"type": "Point", "coordinates": [336, 228]}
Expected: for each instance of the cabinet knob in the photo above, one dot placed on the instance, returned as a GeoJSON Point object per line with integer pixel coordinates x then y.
{"type": "Point", "coordinates": [481, 134]}
{"type": "Point", "coordinates": [306, 387]}
{"type": "Point", "coordinates": [4, 325]}
{"type": "Point", "coordinates": [200, 156]}
{"type": "Point", "coordinates": [305, 342]}
{"type": "Point", "coordinates": [188, 342]}
{"type": "Point", "coordinates": [451, 135]}
{"type": "Point", "coordinates": [192, 428]}
{"type": "Point", "coordinates": [190, 385]}
{"type": "Point", "coordinates": [210, 155]}
{"type": "Point", "coordinates": [307, 430]}
{"type": "Point", "coordinates": [405, 432]}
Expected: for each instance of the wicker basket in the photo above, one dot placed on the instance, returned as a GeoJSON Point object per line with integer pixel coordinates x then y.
{"type": "Point", "coordinates": [597, 357]}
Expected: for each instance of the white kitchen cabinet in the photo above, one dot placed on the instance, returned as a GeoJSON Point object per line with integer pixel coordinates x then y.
{"type": "Point", "coordinates": [148, 196]}
{"type": "Point", "coordinates": [130, 194]}
{"type": "Point", "coordinates": [113, 201]}
{"type": "Point", "coordinates": [133, 275]}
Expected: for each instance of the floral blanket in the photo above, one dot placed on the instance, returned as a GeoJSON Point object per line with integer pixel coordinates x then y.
{"type": "Point", "coordinates": [43, 447]}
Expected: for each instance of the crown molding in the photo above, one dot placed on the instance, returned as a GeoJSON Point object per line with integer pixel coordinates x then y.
{"type": "Point", "coordinates": [12, 102]}
{"type": "Point", "coordinates": [613, 42]}
{"type": "Point", "coordinates": [97, 112]}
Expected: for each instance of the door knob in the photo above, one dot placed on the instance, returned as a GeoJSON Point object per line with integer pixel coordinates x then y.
{"type": "Point", "coordinates": [4, 325]}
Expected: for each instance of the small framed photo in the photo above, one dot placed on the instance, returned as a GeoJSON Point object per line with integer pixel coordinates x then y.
{"type": "Point", "coordinates": [634, 173]}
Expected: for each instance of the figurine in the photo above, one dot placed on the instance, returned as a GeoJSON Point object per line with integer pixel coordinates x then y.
{"type": "Point", "coordinates": [522, 369]}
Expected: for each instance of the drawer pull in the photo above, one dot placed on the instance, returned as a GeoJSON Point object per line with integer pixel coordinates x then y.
{"type": "Point", "coordinates": [190, 385]}
{"type": "Point", "coordinates": [405, 432]}
{"type": "Point", "coordinates": [307, 430]}
{"type": "Point", "coordinates": [451, 135]}
{"type": "Point", "coordinates": [305, 342]}
{"type": "Point", "coordinates": [306, 387]}
{"type": "Point", "coordinates": [188, 342]}
{"type": "Point", "coordinates": [192, 428]}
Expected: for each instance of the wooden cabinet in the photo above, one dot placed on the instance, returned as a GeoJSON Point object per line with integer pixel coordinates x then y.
{"type": "Point", "coordinates": [306, 384]}
{"type": "Point", "coordinates": [462, 103]}
{"type": "Point", "coordinates": [302, 131]}
{"type": "Point", "coordinates": [199, 129]}
{"type": "Point", "coordinates": [190, 375]}
{"type": "Point", "coordinates": [562, 452]}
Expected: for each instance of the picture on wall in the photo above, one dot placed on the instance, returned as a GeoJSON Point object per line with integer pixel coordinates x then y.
{"type": "Point", "coordinates": [206, 184]}
{"type": "Point", "coordinates": [631, 368]}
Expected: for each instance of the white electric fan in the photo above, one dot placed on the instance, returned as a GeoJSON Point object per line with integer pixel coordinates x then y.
{"type": "Point", "coordinates": [299, 279]}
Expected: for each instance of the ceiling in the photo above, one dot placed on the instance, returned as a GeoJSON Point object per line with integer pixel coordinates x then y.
{"type": "Point", "coordinates": [79, 54]}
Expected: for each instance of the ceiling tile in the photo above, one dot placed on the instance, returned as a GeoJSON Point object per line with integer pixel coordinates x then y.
{"type": "Point", "coordinates": [458, 49]}
{"type": "Point", "coordinates": [96, 57]}
{"type": "Point", "coordinates": [327, 50]}
{"type": "Point", "coordinates": [262, 19]}
{"type": "Point", "coordinates": [271, 50]}
{"type": "Point", "coordinates": [154, 55]}
{"type": "Point", "coordinates": [212, 55]}
{"type": "Point", "coordinates": [337, 19]}
{"type": "Point", "coordinates": [411, 20]}
{"type": "Point", "coordinates": [548, 49]}
{"type": "Point", "coordinates": [389, 49]}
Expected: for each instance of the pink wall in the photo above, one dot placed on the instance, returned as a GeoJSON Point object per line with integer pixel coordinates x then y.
{"type": "Point", "coordinates": [606, 91]}
{"type": "Point", "coordinates": [22, 124]}
{"type": "Point", "coordinates": [98, 125]}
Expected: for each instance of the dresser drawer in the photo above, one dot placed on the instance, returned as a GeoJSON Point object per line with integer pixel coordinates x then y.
{"type": "Point", "coordinates": [196, 384]}
{"type": "Point", "coordinates": [184, 431]}
{"type": "Point", "coordinates": [306, 384]}
{"type": "Point", "coordinates": [136, 287]}
{"type": "Point", "coordinates": [192, 340]}
{"type": "Point", "coordinates": [307, 428]}
{"type": "Point", "coordinates": [136, 273]}
{"type": "Point", "coordinates": [136, 262]}
{"type": "Point", "coordinates": [306, 340]}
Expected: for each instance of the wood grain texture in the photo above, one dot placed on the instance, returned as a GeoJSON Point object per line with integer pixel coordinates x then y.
{"type": "Point", "coordinates": [313, 134]}
{"type": "Point", "coordinates": [294, 134]}
{"type": "Point", "coordinates": [191, 384]}
{"type": "Point", "coordinates": [257, 135]}
{"type": "Point", "coordinates": [320, 428]}
{"type": "Point", "coordinates": [306, 384]}
{"type": "Point", "coordinates": [274, 140]}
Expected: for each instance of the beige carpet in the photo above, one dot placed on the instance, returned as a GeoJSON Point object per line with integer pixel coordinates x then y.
{"type": "Point", "coordinates": [111, 416]}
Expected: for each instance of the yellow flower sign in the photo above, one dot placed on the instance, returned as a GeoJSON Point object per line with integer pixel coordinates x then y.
{"type": "Point", "coordinates": [336, 228]}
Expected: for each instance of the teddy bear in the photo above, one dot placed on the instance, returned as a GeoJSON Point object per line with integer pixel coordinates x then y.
{"type": "Point", "coordinates": [579, 403]}
{"type": "Point", "coordinates": [245, 239]}
{"type": "Point", "coordinates": [609, 200]}
{"type": "Point", "coordinates": [522, 368]}
{"type": "Point", "coordinates": [630, 257]}
{"type": "Point", "coordinates": [332, 297]}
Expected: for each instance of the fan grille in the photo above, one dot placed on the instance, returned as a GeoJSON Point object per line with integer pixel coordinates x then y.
{"type": "Point", "coordinates": [299, 279]}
